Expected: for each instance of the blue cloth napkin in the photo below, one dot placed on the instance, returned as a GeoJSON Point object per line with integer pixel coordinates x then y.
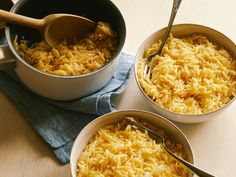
{"type": "Point", "coordinates": [57, 122]}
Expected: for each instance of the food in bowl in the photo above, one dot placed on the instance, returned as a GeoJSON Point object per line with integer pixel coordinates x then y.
{"type": "Point", "coordinates": [67, 59]}
{"type": "Point", "coordinates": [192, 76]}
{"type": "Point", "coordinates": [123, 150]}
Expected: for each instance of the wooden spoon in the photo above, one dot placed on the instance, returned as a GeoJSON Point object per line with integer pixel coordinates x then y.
{"type": "Point", "coordinates": [55, 27]}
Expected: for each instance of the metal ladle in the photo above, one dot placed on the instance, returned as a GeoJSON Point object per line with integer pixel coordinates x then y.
{"type": "Point", "coordinates": [175, 7]}
{"type": "Point", "coordinates": [55, 27]}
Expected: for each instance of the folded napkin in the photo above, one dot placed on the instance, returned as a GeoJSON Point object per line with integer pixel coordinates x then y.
{"type": "Point", "coordinates": [58, 122]}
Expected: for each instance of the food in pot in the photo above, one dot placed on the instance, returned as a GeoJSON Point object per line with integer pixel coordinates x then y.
{"type": "Point", "coordinates": [67, 59]}
{"type": "Point", "coordinates": [192, 76]}
{"type": "Point", "coordinates": [123, 150]}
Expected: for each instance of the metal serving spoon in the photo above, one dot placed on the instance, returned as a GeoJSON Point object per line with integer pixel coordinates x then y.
{"type": "Point", "coordinates": [161, 139]}
{"type": "Point", "coordinates": [55, 27]}
{"type": "Point", "coordinates": [175, 7]}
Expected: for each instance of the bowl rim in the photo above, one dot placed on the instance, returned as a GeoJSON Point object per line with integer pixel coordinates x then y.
{"type": "Point", "coordinates": [100, 118]}
{"type": "Point", "coordinates": [109, 63]}
{"type": "Point", "coordinates": [155, 104]}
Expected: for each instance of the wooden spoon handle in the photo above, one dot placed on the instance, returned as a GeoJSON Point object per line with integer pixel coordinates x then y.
{"type": "Point", "coordinates": [21, 20]}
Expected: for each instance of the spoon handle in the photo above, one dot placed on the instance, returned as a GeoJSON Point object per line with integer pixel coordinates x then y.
{"type": "Point", "coordinates": [175, 7]}
{"type": "Point", "coordinates": [20, 19]}
{"type": "Point", "coordinates": [193, 168]}
{"type": "Point", "coordinates": [160, 139]}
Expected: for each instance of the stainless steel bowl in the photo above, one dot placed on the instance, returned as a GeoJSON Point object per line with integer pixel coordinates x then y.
{"type": "Point", "coordinates": [181, 30]}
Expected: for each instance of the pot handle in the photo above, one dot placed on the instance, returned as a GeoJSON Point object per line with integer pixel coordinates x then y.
{"type": "Point", "coordinates": [7, 59]}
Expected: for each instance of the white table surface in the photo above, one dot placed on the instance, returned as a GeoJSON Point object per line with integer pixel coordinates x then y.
{"type": "Point", "coordinates": [24, 154]}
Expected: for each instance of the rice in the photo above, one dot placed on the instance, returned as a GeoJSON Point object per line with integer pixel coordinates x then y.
{"type": "Point", "coordinates": [193, 75]}
{"type": "Point", "coordinates": [76, 58]}
{"type": "Point", "coordinates": [122, 150]}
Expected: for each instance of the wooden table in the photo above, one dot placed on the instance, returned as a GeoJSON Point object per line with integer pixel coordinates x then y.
{"type": "Point", "coordinates": [24, 154]}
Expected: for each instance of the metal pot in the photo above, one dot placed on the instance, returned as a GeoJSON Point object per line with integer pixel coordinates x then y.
{"type": "Point", "coordinates": [54, 86]}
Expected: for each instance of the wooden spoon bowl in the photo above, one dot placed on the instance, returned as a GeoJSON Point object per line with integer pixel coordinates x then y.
{"type": "Point", "coordinates": [55, 27]}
